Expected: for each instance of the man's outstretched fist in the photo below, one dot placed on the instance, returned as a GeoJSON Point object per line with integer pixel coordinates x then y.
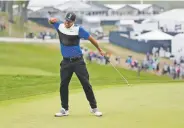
{"type": "Point", "coordinates": [52, 20]}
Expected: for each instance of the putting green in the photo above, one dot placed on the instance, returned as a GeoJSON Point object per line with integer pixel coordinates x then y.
{"type": "Point", "coordinates": [154, 106]}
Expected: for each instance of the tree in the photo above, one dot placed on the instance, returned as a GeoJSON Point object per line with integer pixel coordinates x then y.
{"type": "Point", "coordinates": [3, 6]}
{"type": "Point", "coordinates": [7, 6]}
{"type": "Point", "coordinates": [25, 10]}
{"type": "Point", "coordinates": [22, 5]}
{"type": "Point", "coordinates": [10, 10]}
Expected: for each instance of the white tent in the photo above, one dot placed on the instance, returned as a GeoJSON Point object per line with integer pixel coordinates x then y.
{"type": "Point", "coordinates": [175, 14]}
{"type": "Point", "coordinates": [154, 35]}
{"type": "Point", "coordinates": [124, 25]}
{"type": "Point", "coordinates": [145, 27]}
{"type": "Point", "coordinates": [92, 24]}
{"type": "Point", "coordinates": [177, 45]}
{"type": "Point", "coordinates": [169, 20]}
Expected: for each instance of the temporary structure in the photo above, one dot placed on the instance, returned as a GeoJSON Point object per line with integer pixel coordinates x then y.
{"type": "Point", "coordinates": [154, 35]}
{"type": "Point", "coordinates": [177, 45]}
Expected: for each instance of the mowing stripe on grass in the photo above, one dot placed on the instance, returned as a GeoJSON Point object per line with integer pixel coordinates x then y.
{"type": "Point", "coordinates": [154, 106]}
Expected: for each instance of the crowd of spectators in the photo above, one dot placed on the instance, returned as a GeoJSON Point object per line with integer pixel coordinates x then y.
{"type": "Point", "coordinates": [94, 56]}
{"type": "Point", "coordinates": [41, 35]}
{"type": "Point", "coordinates": [175, 70]}
{"type": "Point", "coordinates": [152, 63]}
{"type": "Point", "coordinates": [149, 63]}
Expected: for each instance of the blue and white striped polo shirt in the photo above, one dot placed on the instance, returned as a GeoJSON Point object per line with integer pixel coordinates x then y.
{"type": "Point", "coordinates": [70, 39]}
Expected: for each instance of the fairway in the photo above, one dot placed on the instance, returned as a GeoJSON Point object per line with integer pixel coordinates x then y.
{"type": "Point", "coordinates": [29, 94]}
{"type": "Point", "coordinates": [154, 106]}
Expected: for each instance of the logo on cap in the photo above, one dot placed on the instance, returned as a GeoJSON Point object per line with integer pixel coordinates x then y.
{"type": "Point", "coordinates": [70, 15]}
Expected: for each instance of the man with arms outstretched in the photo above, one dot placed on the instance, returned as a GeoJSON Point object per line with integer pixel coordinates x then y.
{"type": "Point", "coordinates": [73, 62]}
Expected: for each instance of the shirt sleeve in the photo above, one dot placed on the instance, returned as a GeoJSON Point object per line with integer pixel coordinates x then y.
{"type": "Point", "coordinates": [56, 24]}
{"type": "Point", "coordinates": [83, 33]}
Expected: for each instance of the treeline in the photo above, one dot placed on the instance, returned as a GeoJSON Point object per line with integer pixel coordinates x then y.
{"type": "Point", "coordinates": [7, 6]}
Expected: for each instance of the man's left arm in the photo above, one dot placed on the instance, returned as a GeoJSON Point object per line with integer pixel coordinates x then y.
{"type": "Point", "coordinates": [85, 35]}
{"type": "Point", "coordinates": [55, 22]}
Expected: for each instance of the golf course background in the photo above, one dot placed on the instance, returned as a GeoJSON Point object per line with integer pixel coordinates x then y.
{"type": "Point", "coordinates": [29, 93]}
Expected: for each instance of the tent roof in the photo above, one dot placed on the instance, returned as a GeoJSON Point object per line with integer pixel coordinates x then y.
{"type": "Point", "coordinates": [43, 12]}
{"type": "Point", "coordinates": [91, 19]}
{"type": "Point", "coordinates": [125, 22]}
{"type": "Point", "coordinates": [96, 4]}
{"type": "Point", "coordinates": [73, 4]}
{"type": "Point", "coordinates": [78, 6]}
{"type": "Point", "coordinates": [181, 35]}
{"type": "Point", "coordinates": [154, 35]}
{"type": "Point", "coordinates": [115, 6]}
{"type": "Point", "coordinates": [140, 7]}
{"type": "Point", "coordinates": [34, 8]}
{"type": "Point", "coordinates": [175, 14]}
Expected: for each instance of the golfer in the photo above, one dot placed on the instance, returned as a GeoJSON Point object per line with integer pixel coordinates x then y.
{"type": "Point", "coordinates": [73, 61]}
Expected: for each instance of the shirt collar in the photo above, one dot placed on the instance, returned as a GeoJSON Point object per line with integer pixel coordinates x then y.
{"type": "Point", "coordinates": [71, 27]}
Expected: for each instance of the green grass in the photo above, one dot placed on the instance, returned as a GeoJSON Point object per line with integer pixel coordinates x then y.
{"type": "Point", "coordinates": [30, 69]}
{"type": "Point", "coordinates": [153, 106]}
{"type": "Point", "coordinates": [3, 33]}
{"type": "Point", "coordinates": [108, 28]}
{"type": "Point", "coordinates": [17, 29]}
{"type": "Point", "coordinates": [29, 97]}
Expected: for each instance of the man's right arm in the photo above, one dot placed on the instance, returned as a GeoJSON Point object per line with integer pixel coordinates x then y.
{"type": "Point", "coordinates": [85, 35]}
{"type": "Point", "coordinates": [54, 22]}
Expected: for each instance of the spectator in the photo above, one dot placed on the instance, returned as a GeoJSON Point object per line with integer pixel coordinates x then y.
{"type": "Point", "coordinates": [148, 56]}
{"type": "Point", "coordinates": [182, 72]}
{"type": "Point", "coordinates": [2, 24]}
{"type": "Point", "coordinates": [174, 73]}
{"type": "Point", "coordinates": [129, 60]}
{"type": "Point", "coordinates": [165, 69]}
{"type": "Point", "coordinates": [118, 59]}
{"type": "Point", "coordinates": [43, 36]}
{"type": "Point", "coordinates": [139, 68]}
{"type": "Point", "coordinates": [178, 71]}
{"type": "Point", "coordinates": [158, 67]}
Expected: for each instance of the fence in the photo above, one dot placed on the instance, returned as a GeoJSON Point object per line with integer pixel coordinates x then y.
{"type": "Point", "coordinates": [135, 45]}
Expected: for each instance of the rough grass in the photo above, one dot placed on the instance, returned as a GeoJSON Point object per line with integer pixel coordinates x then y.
{"type": "Point", "coordinates": [18, 30]}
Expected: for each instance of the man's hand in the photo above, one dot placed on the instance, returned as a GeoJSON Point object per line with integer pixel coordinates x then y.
{"type": "Point", "coordinates": [101, 52]}
{"type": "Point", "coordinates": [53, 20]}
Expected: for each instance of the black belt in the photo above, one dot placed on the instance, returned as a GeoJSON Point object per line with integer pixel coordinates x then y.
{"type": "Point", "coordinates": [73, 58]}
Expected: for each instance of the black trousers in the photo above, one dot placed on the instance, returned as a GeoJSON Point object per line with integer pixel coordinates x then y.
{"type": "Point", "coordinates": [67, 68]}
